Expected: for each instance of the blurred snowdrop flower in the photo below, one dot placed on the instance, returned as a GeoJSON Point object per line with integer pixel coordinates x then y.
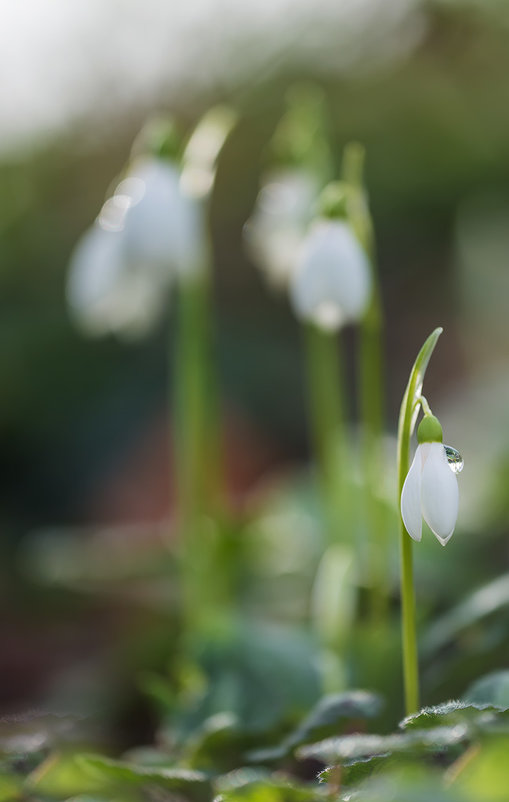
{"type": "Point", "coordinates": [331, 283]}
{"type": "Point", "coordinates": [146, 235]}
{"type": "Point", "coordinates": [284, 209]}
{"type": "Point", "coordinates": [163, 227]}
{"type": "Point", "coordinates": [104, 293]}
{"type": "Point", "coordinates": [430, 490]}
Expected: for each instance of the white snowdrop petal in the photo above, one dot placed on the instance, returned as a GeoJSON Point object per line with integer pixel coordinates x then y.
{"type": "Point", "coordinates": [108, 293]}
{"type": "Point", "coordinates": [276, 229]}
{"type": "Point", "coordinates": [95, 279]}
{"type": "Point", "coordinates": [164, 229]}
{"type": "Point", "coordinates": [352, 275]}
{"type": "Point", "coordinates": [439, 494]}
{"type": "Point", "coordinates": [332, 280]}
{"type": "Point", "coordinates": [411, 498]}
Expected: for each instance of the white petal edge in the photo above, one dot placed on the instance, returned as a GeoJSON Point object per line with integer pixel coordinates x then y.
{"type": "Point", "coordinates": [411, 498]}
{"type": "Point", "coordinates": [439, 494]}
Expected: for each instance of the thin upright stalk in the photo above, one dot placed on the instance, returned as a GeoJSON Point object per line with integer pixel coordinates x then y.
{"type": "Point", "coordinates": [408, 628]}
{"type": "Point", "coordinates": [197, 448]}
{"type": "Point", "coordinates": [370, 378]}
{"type": "Point", "coordinates": [407, 418]}
{"type": "Point", "coordinates": [326, 414]}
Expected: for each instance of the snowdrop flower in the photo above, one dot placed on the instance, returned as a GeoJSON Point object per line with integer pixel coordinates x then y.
{"type": "Point", "coordinates": [331, 285]}
{"type": "Point", "coordinates": [164, 228]}
{"type": "Point", "coordinates": [146, 235]}
{"type": "Point", "coordinates": [105, 295]}
{"type": "Point", "coordinates": [430, 490]}
{"type": "Point", "coordinates": [283, 211]}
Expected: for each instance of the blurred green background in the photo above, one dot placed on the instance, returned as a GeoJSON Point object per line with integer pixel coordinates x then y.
{"type": "Point", "coordinates": [84, 424]}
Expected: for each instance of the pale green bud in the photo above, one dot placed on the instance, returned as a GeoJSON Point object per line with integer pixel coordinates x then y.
{"type": "Point", "coordinates": [430, 430]}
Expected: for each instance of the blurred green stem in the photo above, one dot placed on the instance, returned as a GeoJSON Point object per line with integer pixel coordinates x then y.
{"type": "Point", "coordinates": [326, 414]}
{"type": "Point", "coordinates": [371, 391]}
{"type": "Point", "coordinates": [198, 466]}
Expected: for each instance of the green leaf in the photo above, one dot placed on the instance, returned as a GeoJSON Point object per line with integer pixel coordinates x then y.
{"type": "Point", "coordinates": [193, 784]}
{"type": "Point", "coordinates": [62, 776]}
{"type": "Point", "coordinates": [237, 681]}
{"type": "Point", "coordinates": [484, 772]}
{"type": "Point", "coordinates": [359, 747]}
{"type": "Point", "coordinates": [220, 744]}
{"type": "Point", "coordinates": [409, 406]}
{"type": "Point", "coordinates": [10, 787]}
{"type": "Point", "coordinates": [483, 602]}
{"type": "Point", "coordinates": [446, 714]}
{"type": "Point", "coordinates": [325, 718]}
{"type": "Point", "coordinates": [272, 789]}
{"type": "Point", "coordinates": [351, 773]}
{"type": "Point", "coordinates": [407, 783]}
{"type": "Point", "coordinates": [86, 798]}
{"type": "Point", "coordinates": [491, 690]}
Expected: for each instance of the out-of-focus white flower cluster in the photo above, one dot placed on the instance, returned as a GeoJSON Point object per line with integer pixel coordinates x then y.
{"type": "Point", "coordinates": [149, 233]}
{"type": "Point", "coordinates": [317, 260]}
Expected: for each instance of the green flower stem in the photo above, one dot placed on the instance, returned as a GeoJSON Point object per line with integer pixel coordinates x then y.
{"type": "Point", "coordinates": [198, 464]}
{"type": "Point", "coordinates": [407, 419]}
{"type": "Point", "coordinates": [326, 413]}
{"type": "Point", "coordinates": [371, 372]}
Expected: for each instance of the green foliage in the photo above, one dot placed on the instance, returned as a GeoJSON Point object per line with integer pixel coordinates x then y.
{"type": "Point", "coordinates": [360, 747]}
{"type": "Point", "coordinates": [116, 773]}
{"type": "Point", "coordinates": [490, 690]}
{"type": "Point", "coordinates": [484, 774]}
{"type": "Point", "coordinates": [329, 715]}
{"type": "Point", "coordinates": [272, 789]}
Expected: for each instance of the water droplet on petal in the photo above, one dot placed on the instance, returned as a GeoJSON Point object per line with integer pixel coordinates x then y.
{"type": "Point", "coordinates": [454, 459]}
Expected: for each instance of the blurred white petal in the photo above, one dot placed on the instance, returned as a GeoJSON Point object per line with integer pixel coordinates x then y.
{"type": "Point", "coordinates": [104, 293]}
{"type": "Point", "coordinates": [331, 285]}
{"type": "Point", "coordinates": [284, 208]}
{"type": "Point", "coordinates": [163, 227]}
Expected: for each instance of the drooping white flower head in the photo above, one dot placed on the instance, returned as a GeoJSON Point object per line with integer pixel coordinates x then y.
{"type": "Point", "coordinates": [164, 229]}
{"type": "Point", "coordinates": [283, 211]}
{"type": "Point", "coordinates": [105, 295]}
{"type": "Point", "coordinates": [147, 234]}
{"type": "Point", "coordinates": [331, 285]}
{"type": "Point", "coordinates": [430, 490]}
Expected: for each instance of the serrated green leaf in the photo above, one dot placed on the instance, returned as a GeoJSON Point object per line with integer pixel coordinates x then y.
{"type": "Point", "coordinates": [194, 784]}
{"type": "Point", "coordinates": [351, 773]}
{"type": "Point", "coordinates": [326, 717]}
{"type": "Point", "coordinates": [448, 713]}
{"type": "Point", "coordinates": [359, 747]}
